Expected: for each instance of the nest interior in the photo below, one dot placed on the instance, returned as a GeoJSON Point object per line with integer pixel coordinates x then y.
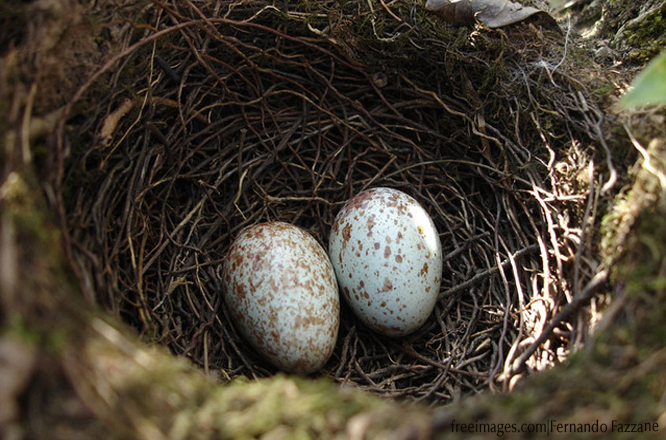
{"type": "Point", "coordinates": [218, 115]}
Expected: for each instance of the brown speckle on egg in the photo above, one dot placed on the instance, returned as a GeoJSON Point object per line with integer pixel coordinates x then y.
{"type": "Point", "coordinates": [282, 293]}
{"type": "Point", "coordinates": [346, 231]}
{"type": "Point", "coordinates": [402, 263]}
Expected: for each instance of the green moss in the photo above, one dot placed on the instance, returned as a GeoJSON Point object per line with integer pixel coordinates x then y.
{"type": "Point", "coordinates": [635, 247]}
{"type": "Point", "coordinates": [18, 329]}
{"type": "Point", "coordinates": [643, 39]}
{"type": "Point", "coordinates": [648, 37]}
{"type": "Point", "coordinates": [490, 78]}
{"type": "Point", "coordinates": [52, 342]}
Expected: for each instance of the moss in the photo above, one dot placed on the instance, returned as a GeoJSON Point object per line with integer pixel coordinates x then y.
{"type": "Point", "coordinates": [19, 329]}
{"type": "Point", "coordinates": [52, 342]}
{"type": "Point", "coordinates": [249, 408]}
{"type": "Point", "coordinates": [648, 36]}
{"type": "Point", "coordinates": [490, 79]}
{"type": "Point", "coordinates": [137, 391]}
{"type": "Point", "coordinates": [26, 213]}
{"type": "Point", "coordinates": [641, 39]}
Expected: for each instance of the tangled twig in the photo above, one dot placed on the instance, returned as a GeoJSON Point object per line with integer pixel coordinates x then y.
{"type": "Point", "coordinates": [247, 114]}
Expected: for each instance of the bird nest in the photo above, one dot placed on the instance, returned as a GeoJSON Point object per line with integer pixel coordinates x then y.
{"type": "Point", "coordinates": [217, 115]}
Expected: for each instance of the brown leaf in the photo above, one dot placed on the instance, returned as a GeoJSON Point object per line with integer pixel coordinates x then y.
{"type": "Point", "coordinates": [492, 13]}
{"type": "Point", "coordinates": [456, 12]}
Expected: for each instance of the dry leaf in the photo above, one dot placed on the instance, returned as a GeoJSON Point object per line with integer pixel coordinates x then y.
{"type": "Point", "coordinates": [492, 13]}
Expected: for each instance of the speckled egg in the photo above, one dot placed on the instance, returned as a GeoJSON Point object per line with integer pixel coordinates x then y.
{"type": "Point", "coordinates": [281, 290]}
{"type": "Point", "coordinates": [388, 260]}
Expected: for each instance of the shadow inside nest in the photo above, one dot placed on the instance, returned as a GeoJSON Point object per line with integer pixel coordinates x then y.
{"type": "Point", "coordinates": [248, 113]}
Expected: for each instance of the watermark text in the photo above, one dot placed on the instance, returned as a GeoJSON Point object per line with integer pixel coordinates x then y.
{"type": "Point", "coordinates": [552, 427]}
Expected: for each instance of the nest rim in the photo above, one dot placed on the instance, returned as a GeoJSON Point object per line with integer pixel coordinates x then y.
{"type": "Point", "coordinates": [452, 354]}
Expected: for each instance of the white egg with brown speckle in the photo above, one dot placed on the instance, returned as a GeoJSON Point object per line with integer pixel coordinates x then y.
{"type": "Point", "coordinates": [281, 291]}
{"type": "Point", "coordinates": [388, 260]}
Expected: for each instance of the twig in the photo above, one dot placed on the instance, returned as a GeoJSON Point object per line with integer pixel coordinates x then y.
{"type": "Point", "coordinates": [576, 303]}
{"type": "Point", "coordinates": [481, 276]}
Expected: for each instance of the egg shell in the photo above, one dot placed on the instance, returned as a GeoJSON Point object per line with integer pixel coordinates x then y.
{"type": "Point", "coordinates": [282, 293]}
{"type": "Point", "coordinates": [388, 260]}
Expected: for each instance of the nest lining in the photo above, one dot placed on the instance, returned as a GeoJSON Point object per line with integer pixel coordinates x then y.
{"type": "Point", "coordinates": [250, 112]}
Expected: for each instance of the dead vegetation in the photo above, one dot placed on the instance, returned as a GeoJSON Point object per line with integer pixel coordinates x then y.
{"type": "Point", "coordinates": [252, 112]}
{"type": "Point", "coordinates": [206, 117]}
